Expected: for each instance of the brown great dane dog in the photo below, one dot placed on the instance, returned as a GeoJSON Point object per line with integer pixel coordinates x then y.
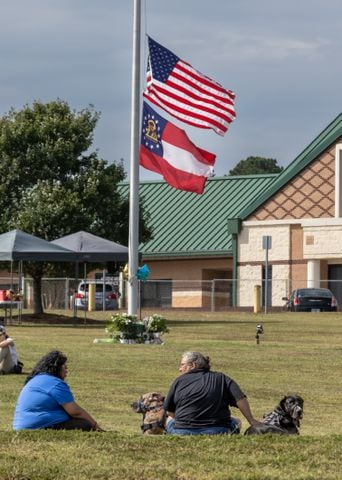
{"type": "Point", "coordinates": [151, 406]}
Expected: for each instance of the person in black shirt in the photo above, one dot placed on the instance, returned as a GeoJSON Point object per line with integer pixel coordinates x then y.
{"type": "Point", "coordinates": [198, 400]}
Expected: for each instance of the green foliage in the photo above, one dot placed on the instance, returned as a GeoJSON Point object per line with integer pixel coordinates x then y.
{"type": "Point", "coordinates": [41, 142]}
{"type": "Point", "coordinates": [156, 324]}
{"type": "Point", "coordinates": [120, 322]}
{"type": "Point", "coordinates": [124, 326]}
{"type": "Point", "coordinates": [256, 165]}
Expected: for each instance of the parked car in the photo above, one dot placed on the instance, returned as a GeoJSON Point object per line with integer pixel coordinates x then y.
{"type": "Point", "coordinates": [311, 300]}
{"type": "Point", "coordinates": [112, 295]}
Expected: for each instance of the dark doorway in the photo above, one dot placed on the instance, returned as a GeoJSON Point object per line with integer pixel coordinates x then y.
{"type": "Point", "coordinates": [335, 281]}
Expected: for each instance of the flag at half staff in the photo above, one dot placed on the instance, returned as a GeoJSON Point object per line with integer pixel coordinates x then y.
{"type": "Point", "coordinates": [167, 150]}
{"type": "Point", "coordinates": [185, 93]}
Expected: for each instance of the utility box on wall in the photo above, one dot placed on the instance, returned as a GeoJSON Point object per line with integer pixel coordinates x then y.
{"type": "Point", "coordinates": [234, 225]}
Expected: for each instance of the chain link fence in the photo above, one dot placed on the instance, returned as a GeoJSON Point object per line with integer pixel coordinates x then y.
{"type": "Point", "coordinates": [214, 295]}
{"type": "Point", "coordinates": [211, 295]}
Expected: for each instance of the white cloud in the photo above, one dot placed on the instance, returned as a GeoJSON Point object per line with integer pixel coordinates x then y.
{"type": "Point", "coordinates": [271, 48]}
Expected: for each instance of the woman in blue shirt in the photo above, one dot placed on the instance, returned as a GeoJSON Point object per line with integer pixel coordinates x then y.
{"type": "Point", "coordinates": [46, 400]}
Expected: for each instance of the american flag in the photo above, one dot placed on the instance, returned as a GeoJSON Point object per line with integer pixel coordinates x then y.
{"type": "Point", "coordinates": [185, 93]}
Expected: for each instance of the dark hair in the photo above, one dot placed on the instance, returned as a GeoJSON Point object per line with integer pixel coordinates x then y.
{"type": "Point", "coordinates": [3, 331]}
{"type": "Point", "coordinates": [51, 363]}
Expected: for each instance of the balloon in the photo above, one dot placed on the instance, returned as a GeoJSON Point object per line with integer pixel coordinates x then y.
{"type": "Point", "coordinates": [143, 273]}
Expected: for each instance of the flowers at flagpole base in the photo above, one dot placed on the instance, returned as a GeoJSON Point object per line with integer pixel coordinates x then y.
{"type": "Point", "coordinates": [126, 328]}
{"type": "Point", "coordinates": [155, 324]}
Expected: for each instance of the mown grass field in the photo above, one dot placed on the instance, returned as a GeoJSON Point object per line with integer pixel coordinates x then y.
{"type": "Point", "coordinates": [298, 353]}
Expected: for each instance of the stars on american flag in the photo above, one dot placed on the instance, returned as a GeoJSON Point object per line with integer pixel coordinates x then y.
{"type": "Point", "coordinates": [163, 61]}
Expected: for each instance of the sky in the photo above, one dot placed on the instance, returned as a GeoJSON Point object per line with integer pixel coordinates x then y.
{"type": "Point", "coordinates": [282, 60]}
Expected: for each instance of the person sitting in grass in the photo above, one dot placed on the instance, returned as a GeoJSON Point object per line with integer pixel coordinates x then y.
{"type": "Point", "coordinates": [8, 353]}
{"type": "Point", "coordinates": [198, 400]}
{"type": "Point", "coordinates": [46, 400]}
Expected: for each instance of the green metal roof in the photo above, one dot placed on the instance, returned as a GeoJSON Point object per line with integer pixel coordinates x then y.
{"type": "Point", "coordinates": [186, 224]}
{"type": "Point", "coordinates": [324, 140]}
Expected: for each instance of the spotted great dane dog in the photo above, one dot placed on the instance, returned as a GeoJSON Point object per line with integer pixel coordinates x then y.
{"type": "Point", "coordinates": [283, 420]}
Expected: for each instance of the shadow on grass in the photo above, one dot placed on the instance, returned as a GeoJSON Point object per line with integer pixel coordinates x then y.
{"type": "Point", "coordinates": [177, 323]}
{"type": "Point", "coordinates": [47, 319]}
{"type": "Point", "coordinates": [59, 325]}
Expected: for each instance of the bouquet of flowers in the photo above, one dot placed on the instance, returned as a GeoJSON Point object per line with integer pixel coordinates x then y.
{"type": "Point", "coordinates": [127, 329]}
{"type": "Point", "coordinates": [155, 324]}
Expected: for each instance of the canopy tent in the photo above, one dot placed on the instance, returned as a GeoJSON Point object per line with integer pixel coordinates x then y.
{"type": "Point", "coordinates": [18, 245]}
{"type": "Point", "coordinates": [91, 248]}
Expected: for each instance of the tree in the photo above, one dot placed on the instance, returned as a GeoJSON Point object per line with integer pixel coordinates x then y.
{"type": "Point", "coordinates": [51, 185]}
{"type": "Point", "coordinates": [256, 165]}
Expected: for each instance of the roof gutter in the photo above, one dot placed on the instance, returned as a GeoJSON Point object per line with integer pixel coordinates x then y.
{"type": "Point", "coordinates": [184, 255]}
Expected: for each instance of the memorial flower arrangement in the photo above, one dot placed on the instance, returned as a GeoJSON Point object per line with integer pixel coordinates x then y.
{"type": "Point", "coordinates": [126, 328]}
{"type": "Point", "coordinates": [155, 324]}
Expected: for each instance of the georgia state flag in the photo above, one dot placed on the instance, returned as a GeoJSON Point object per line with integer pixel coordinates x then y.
{"type": "Point", "coordinates": [167, 150]}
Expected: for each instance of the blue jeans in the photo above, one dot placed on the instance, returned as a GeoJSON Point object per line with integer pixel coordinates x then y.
{"type": "Point", "coordinates": [233, 428]}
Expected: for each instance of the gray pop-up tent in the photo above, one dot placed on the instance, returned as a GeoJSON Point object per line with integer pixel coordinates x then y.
{"type": "Point", "coordinates": [19, 245]}
{"type": "Point", "coordinates": [91, 248]}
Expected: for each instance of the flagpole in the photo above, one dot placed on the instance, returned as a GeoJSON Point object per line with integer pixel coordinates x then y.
{"type": "Point", "coordinates": [133, 240]}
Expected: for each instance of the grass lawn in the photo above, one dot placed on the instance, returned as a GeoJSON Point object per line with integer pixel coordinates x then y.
{"type": "Point", "coordinates": [298, 353]}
